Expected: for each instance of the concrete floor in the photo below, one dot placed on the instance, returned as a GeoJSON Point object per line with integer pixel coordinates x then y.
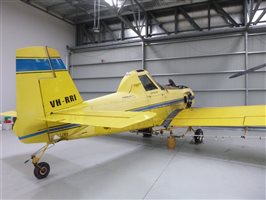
{"type": "Point", "coordinates": [127, 166]}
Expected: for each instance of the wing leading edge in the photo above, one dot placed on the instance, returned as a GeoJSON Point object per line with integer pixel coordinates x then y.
{"type": "Point", "coordinates": [222, 116]}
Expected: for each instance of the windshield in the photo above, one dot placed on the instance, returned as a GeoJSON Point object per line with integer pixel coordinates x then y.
{"type": "Point", "coordinates": [147, 83]}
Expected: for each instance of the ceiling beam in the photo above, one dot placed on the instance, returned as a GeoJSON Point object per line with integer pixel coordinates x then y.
{"type": "Point", "coordinates": [220, 10]}
{"type": "Point", "coordinates": [153, 17]}
{"type": "Point", "coordinates": [163, 6]}
{"type": "Point", "coordinates": [159, 23]}
{"type": "Point", "coordinates": [54, 6]}
{"type": "Point", "coordinates": [108, 29]}
{"type": "Point", "coordinates": [88, 34]}
{"type": "Point", "coordinates": [261, 15]}
{"type": "Point", "coordinates": [28, 2]}
{"type": "Point", "coordinates": [191, 21]}
{"type": "Point", "coordinates": [125, 20]}
{"type": "Point", "coordinates": [253, 12]}
{"type": "Point", "coordinates": [79, 8]}
{"type": "Point", "coordinates": [122, 6]}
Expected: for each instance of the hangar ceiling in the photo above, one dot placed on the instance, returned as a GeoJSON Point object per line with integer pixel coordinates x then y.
{"type": "Point", "coordinates": [100, 21]}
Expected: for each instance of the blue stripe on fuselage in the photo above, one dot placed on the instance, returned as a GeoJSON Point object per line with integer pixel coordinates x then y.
{"type": "Point", "coordinates": [50, 130]}
{"type": "Point", "coordinates": [38, 64]}
{"type": "Point", "coordinates": [159, 105]}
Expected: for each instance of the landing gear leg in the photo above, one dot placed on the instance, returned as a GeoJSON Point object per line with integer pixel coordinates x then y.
{"type": "Point", "coordinates": [42, 169]}
{"type": "Point", "coordinates": [147, 133]}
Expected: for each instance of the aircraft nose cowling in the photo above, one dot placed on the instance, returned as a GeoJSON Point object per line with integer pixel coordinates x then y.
{"type": "Point", "coordinates": [188, 99]}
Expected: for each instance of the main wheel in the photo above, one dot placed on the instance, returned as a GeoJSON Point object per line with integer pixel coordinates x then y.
{"type": "Point", "coordinates": [41, 170]}
{"type": "Point", "coordinates": [147, 135]}
{"type": "Point", "coordinates": [198, 136]}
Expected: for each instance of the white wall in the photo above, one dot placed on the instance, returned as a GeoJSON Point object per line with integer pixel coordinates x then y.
{"type": "Point", "coordinates": [21, 26]}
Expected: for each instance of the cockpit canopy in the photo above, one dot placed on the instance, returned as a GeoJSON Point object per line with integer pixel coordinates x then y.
{"type": "Point", "coordinates": [132, 80]}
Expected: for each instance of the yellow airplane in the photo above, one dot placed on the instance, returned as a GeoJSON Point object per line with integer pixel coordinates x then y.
{"type": "Point", "coordinates": [50, 109]}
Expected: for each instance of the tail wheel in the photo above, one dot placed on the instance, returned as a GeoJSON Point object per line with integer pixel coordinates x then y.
{"type": "Point", "coordinates": [198, 136]}
{"type": "Point", "coordinates": [41, 170]}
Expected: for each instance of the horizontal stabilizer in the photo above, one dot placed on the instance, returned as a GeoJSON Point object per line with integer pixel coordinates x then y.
{"type": "Point", "coordinates": [108, 119]}
{"type": "Point", "coordinates": [222, 116]}
{"type": "Point", "coordinates": [9, 114]}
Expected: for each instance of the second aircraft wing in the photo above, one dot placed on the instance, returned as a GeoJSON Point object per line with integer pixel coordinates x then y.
{"type": "Point", "coordinates": [235, 116]}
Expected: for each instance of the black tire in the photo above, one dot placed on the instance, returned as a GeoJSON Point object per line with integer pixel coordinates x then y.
{"type": "Point", "coordinates": [41, 170]}
{"type": "Point", "coordinates": [198, 136]}
{"type": "Point", "coordinates": [147, 135]}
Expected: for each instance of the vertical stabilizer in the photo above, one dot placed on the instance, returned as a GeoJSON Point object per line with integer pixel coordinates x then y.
{"type": "Point", "coordinates": [43, 86]}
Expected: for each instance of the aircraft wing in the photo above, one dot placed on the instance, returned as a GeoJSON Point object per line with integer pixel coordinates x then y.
{"type": "Point", "coordinates": [234, 116]}
{"type": "Point", "coordinates": [110, 119]}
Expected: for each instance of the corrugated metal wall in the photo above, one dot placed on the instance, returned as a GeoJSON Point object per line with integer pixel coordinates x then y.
{"type": "Point", "coordinates": [202, 64]}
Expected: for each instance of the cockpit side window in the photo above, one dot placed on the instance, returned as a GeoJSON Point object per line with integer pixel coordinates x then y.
{"type": "Point", "coordinates": [147, 83]}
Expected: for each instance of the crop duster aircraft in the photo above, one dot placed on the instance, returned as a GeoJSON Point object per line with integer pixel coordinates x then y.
{"type": "Point", "coordinates": [50, 109]}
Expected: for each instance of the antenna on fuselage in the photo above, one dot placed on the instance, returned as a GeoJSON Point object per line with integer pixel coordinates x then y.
{"type": "Point", "coordinates": [49, 61]}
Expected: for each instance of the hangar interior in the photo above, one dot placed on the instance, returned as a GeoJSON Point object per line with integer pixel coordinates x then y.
{"type": "Point", "coordinates": [197, 43]}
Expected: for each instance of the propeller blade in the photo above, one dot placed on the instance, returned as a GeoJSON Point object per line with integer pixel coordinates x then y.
{"type": "Point", "coordinates": [248, 71]}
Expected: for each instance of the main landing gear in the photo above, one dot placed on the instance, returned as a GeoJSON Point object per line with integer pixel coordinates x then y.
{"type": "Point", "coordinates": [41, 169]}
{"type": "Point", "coordinates": [198, 136]}
{"type": "Point", "coordinates": [171, 140]}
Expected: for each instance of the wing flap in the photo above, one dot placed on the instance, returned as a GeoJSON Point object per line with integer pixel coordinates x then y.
{"type": "Point", "coordinates": [222, 116]}
{"type": "Point", "coordinates": [110, 119]}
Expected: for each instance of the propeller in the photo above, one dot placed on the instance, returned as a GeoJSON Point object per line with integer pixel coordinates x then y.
{"type": "Point", "coordinates": [248, 71]}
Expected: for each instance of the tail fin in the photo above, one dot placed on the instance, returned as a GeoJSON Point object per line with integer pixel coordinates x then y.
{"type": "Point", "coordinates": [43, 86]}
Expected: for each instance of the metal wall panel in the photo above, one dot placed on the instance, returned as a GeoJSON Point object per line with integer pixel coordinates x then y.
{"type": "Point", "coordinates": [108, 55]}
{"type": "Point", "coordinates": [213, 99]}
{"type": "Point", "coordinates": [98, 85]}
{"type": "Point", "coordinates": [257, 80]}
{"type": "Point", "coordinates": [257, 97]}
{"type": "Point", "coordinates": [198, 64]}
{"type": "Point", "coordinates": [257, 43]}
{"type": "Point", "coordinates": [256, 59]}
{"type": "Point", "coordinates": [205, 82]}
{"type": "Point", "coordinates": [103, 70]}
{"type": "Point", "coordinates": [196, 47]}
{"type": "Point", "coordinates": [202, 64]}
